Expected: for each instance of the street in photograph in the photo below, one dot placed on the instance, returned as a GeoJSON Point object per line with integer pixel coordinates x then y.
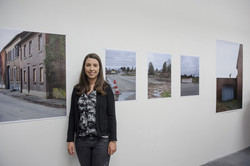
{"type": "Point", "coordinates": [121, 73]}
{"type": "Point", "coordinates": [189, 75]}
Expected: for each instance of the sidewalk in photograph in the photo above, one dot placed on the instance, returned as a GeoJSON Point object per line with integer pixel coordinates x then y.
{"type": "Point", "coordinates": [57, 103]}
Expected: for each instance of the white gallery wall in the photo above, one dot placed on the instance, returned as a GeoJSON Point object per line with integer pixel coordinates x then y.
{"type": "Point", "coordinates": [172, 131]}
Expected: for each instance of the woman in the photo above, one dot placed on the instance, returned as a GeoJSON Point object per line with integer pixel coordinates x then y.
{"type": "Point", "coordinates": [92, 121]}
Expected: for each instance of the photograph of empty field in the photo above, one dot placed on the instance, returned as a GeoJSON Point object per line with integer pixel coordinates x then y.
{"type": "Point", "coordinates": [159, 75]}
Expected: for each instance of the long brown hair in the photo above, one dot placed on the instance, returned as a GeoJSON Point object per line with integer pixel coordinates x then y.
{"type": "Point", "coordinates": [100, 84]}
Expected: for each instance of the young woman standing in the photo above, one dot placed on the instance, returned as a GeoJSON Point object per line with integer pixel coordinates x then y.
{"type": "Point", "coordinates": [92, 120]}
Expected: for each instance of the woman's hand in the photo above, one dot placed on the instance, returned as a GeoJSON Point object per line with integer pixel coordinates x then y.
{"type": "Point", "coordinates": [71, 148]}
{"type": "Point", "coordinates": [112, 147]}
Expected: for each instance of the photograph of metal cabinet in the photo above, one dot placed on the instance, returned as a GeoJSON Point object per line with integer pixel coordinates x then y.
{"type": "Point", "coordinates": [229, 72]}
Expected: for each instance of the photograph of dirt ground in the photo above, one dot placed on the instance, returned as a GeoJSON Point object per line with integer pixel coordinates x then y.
{"type": "Point", "coordinates": [229, 71]}
{"type": "Point", "coordinates": [121, 73]}
{"type": "Point", "coordinates": [32, 75]}
{"type": "Point", "coordinates": [159, 75]}
{"type": "Point", "coordinates": [189, 75]}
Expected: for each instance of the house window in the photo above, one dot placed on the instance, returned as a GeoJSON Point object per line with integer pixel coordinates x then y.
{"type": "Point", "coordinates": [21, 53]}
{"type": "Point", "coordinates": [11, 54]}
{"type": "Point", "coordinates": [41, 75]}
{"type": "Point", "coordinates": [16, 52]}
{"type": "Point", "coordinates": [24, 76]}
{"type": "Point", "coordinates": [8, 56]}
{"type": "Point", "coordinates": [30, 48]}
{"type": "Point", "coordinates": [24, 51]}
{"type": "Point", "coordinates": [40, 42]}
{"type": "Point", "coordinates": [34, 75]}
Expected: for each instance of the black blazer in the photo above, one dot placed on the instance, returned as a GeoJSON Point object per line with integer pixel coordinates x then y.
{"type": "Point", "coordinates": [105, 115]}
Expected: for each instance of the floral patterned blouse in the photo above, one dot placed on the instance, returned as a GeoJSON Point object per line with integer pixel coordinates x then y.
{"type": "Point", "coordinates": [87, 123]}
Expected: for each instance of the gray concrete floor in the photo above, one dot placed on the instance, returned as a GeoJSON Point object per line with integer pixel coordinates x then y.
{"type": "Point", "coordinates": [241, 158]}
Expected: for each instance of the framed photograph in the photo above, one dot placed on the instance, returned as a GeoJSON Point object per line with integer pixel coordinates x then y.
{"type": "Point", "coordinates": [190, 75]}
{"type": "Point", "coordinates": [159, 75]}
{"type": "Point", "coordinates": [121, 73]}
{"type": "Point", "coordinates": [229, 73]}
{"type": "Point", "coordinates": [32, 75]}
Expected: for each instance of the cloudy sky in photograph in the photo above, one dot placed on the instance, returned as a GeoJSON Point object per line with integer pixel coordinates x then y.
{"type": "Point", "coordinates": [226, 59]}
{"type": "Point", "coordinates": [116, 59]}
{"type": "Point", "coordinates": [158, 59]}
{"type": "Point", "coordinates": [190, 65]}
{"type": "Point", "coordinates": [6, 35]}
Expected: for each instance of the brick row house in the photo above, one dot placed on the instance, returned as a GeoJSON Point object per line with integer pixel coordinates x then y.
{"type": "Point", "coordinates": [2, 69]}
{"type": "Point", "coordinates": [12, 63]}
{"type": "Point", "coordinates": [240, 73]}
{"type": "Point", "coordinates": [32, 54]}
{"type": "Point", "coordinates": [231, 88]}
{"type": "Point", "coordinates": [24, 67]}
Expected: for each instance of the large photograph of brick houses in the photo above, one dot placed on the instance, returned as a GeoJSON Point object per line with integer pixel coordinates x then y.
{"type": "Point", "coordinates": [189, 75]}
{"type": "Point", "coordinates": [120, 73]}
{"type": "Point", "coordinates": [159, 75]}
{"type": "Point", "coordinates": [32, 75]}
{"type": "Point", "coordinates": [229, 71]}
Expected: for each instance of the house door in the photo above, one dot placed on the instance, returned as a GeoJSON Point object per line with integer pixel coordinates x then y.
{"type": "Point", "coordinates": [8, 78]}
{"type": "Point", "coordinates": [14, 78]}
{"type": "Point", "coordinates": [227, 93]}
{"type": "Point", "coordinates": [21, 80]}
{"type": "Point", "coordinates": [28, 79]}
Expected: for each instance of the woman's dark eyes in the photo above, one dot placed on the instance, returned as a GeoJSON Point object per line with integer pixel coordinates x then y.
{"type": "Point", "coordinates": [95, 65]}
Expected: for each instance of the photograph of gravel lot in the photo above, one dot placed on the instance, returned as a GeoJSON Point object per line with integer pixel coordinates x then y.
{"type": "Point", "coordinates": [229, 73]}
{"type": "Point", "coordinates": [121, 73]}
{"type": "Point", "coordinates": [189, 75]}
{"type": "Point", "coordinates": [159, 75]}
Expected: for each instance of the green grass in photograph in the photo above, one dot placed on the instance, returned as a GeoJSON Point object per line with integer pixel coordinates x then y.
{"type": "Point", "coordinates": [228, 105]}
{"type": "Point", "coordinates": [128, 74]}
{"type": "Point", "coordinates": [195, 80]}
{"type": "Point", "coordinates": [166, 94]}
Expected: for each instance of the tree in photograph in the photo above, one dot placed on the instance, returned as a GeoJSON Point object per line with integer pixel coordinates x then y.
{"type": "Point", "coordinates": [128, 69]}
{"type": "Point", "coordinates": [164, 67]}
{"type": "Point", "coordinates": [123, 69]}
{"type": "Point", "coordinates": [169, 68]}
{"type": "Point", "coordinates": [55, 64]}
{"type": "Point", "coordinates": [151, 70]}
